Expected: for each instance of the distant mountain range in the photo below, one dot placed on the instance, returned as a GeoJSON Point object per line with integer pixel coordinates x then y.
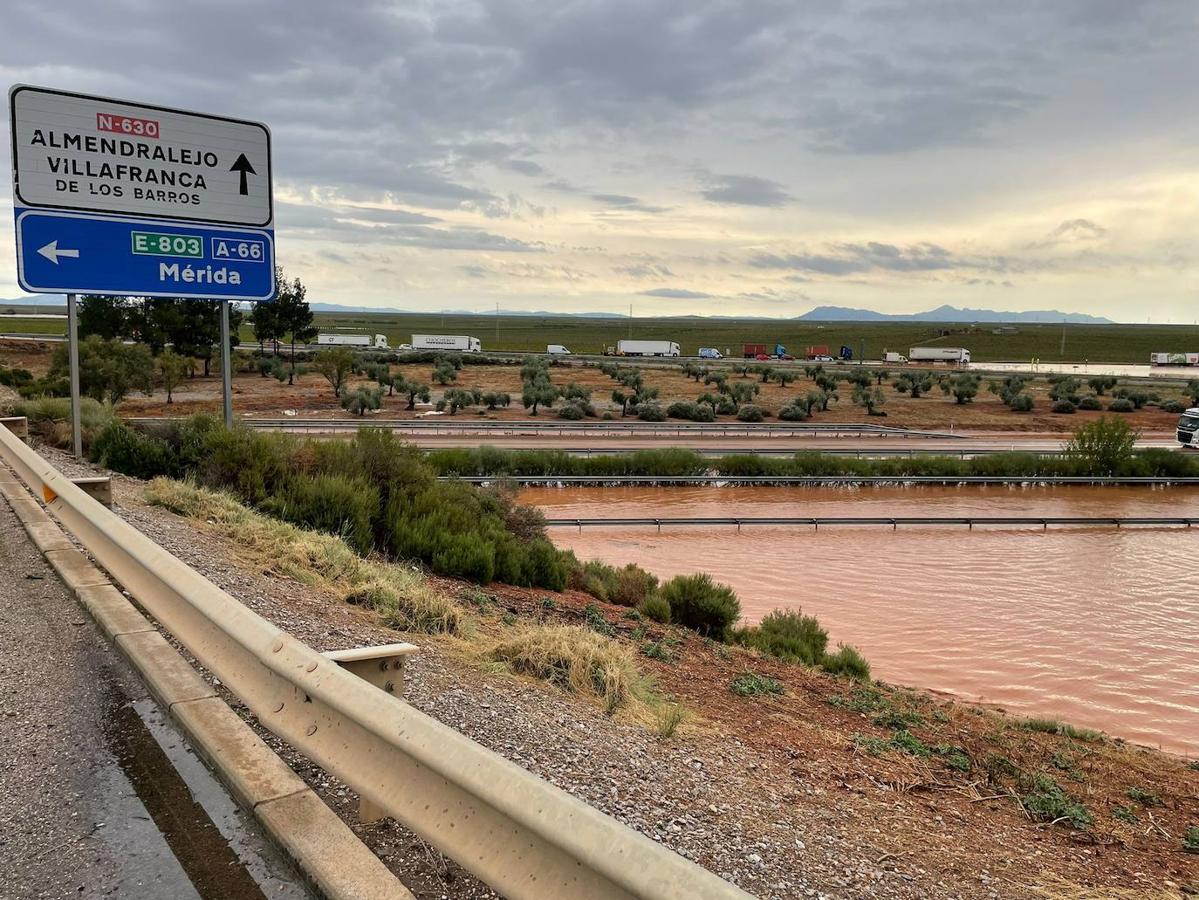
{"type": "Point", "coordinates": [950, 314]}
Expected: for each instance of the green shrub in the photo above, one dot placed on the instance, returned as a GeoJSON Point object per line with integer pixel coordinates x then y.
{"type": "Point", "coordinates": [1089, 402]}
{"type": "Point", "coordinates": [1121, 405]}
{"type": "Point", "coordinates": [751, 414]}
{"type": "Point", "coordinates": [1173, 406]}
{"type": "Point", "coordinates": [650, 412]}
{"type": "Point", "coordinates": [753, 685]}
{"type": "Point", "coordinates": [1143, 797]}
{"type": "Point", "coordinates": [337, 504]}
{"type": "Point", "coordinates": [1190, 840]}
{"type": "Point", "coordinates": [787, 634]}
{"type": "Point", "coordinates": [131, 452]}
{"type": "Point", "coordinates": [793, 413]}
{"type": "Point", "coordinates": [1104, 446]}
{"type": "Point", "coordinates": [1062, 406]}
{"type": "Point", "coordinates": [848, 662]}
{"type": "Point", "coordinates": [656, 608]}
{"type": "Point", "coordinates": [254, 465]}
{"type": "Point", "coordinates": [1021, 403]}
{"type": "Point", "coordinates": [701, 604]}
{"type": "Point", "coordinates": [15, 378]}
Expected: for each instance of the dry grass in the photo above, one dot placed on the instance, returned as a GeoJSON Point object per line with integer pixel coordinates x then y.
{"type": "Point", "coordinates": [1056, 888]}
{"type": "Point", "coordinates": [401, 596]}
{"type": "Point", "coordinates": [573, 658]}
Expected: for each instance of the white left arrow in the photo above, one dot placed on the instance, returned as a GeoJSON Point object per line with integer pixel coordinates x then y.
{"type": "Point", "coordinates": [52, 253]}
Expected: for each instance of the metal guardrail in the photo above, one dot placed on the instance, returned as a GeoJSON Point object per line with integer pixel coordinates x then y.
{"type": "Point", "coordinates": [822, 480]}
{"type": "Point", "coordinates": [515, 831]}
{"type": "Point", "coordinates": [674, 429]}
{"type": "Point", "coordinates": [712, 452]}
{"type": "Point", "coordinates": [893, 521]}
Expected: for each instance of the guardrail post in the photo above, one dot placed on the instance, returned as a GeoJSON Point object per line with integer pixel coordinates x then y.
{"type": "Point", "coordinates": [18, 425]}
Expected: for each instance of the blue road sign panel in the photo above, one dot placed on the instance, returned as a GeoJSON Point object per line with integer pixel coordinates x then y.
{"type": "Point", "coordinates": [87, 254]}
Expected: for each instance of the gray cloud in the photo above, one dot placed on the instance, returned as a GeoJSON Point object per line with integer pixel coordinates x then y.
{"type": "Point", "coordinates": [855, 259]}
{"type": "Point", "coordinates": [675, 294]}
{"type": "Point", "coordinates": [644, 270]}
{"type": "Point", "coordinates": [745, 190]}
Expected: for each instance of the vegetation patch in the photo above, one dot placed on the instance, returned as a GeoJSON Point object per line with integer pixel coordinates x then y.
{"type": "Point", "coordinates": [402, 597]}
{"type": "Point", "coordinates": [753, 685]}
{"type": "Point", "coordinates": [1045, 801]}
{"type": "Point", "coordinates": [1055, 726]}
{"type": "Point", "coordinates": [575, 659]}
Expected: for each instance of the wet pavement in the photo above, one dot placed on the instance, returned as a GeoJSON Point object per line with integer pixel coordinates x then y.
{"type": "Point", "coordinates": [100, 796]}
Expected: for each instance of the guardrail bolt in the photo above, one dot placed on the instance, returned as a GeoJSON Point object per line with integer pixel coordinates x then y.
{"type": "Point", "coordinates": [389, 687]}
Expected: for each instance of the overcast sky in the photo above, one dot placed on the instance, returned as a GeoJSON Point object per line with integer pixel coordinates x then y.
{"type": "Point", "coordinates": [686, 157]}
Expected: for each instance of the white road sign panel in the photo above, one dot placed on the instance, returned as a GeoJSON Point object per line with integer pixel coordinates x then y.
{"type": "Point", "coordinates": [93, 154]}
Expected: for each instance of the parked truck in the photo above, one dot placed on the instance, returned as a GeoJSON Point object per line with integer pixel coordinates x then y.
{"type": "Point", "coordinates": [459, 343]}
{"type": "Point", "coordinates": [1174, 359]}
{"type": "Point", "coordinates": [710, 353]}
{"type": "Point", "coordinates": [753, 351]}
{"type": "Point", "coordinates": [557, 350]}
{"type": "Point", "coordinates": [890, 356]}
{"type": "Point", "coordinates": [815, 351]}
{"type": "Point", "coordinates": [362, 341]}
{"type": "Point", "coordinates": [647, 348]}
{"type": "Point", "coordinates": [958, 355]}
{"type": "Point", "coordinates": [1188, 428]}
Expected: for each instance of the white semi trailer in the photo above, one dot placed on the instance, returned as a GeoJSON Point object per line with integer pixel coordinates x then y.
{"type": "Point", "coordinates": [460, 343]}
{"type": "Point", "coordinates": [375, 341]}
{"type": "Point", "coordinates": [647, 348]}
{"type": "Point", "coordinates": [939, 354]}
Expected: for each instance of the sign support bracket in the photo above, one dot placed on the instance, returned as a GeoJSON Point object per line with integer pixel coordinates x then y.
{"type": "Point", "coordinates": [73, 356]}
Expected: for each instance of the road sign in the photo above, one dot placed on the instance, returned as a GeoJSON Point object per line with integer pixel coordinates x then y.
{"type": "Point", "coordinates": [69, 253]}
{"type": "Point", "coordinates": [94, 154]}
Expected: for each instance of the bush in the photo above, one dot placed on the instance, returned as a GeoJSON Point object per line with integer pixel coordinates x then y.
{"type": "Point", "coordinates": [793, 413]}
{"type": "Point", "coordinates": [1190, 840]}
{"type": "Point", "coordinates": [650, 412]}
{"type": "Point", "coordinates": [1173, 406]}
{"type": "Point", "coordinates": [131, 452]}
{"type": "Point", "coordinates": [1021, 403]}
{"type": "Point", "coordinates": [1062, 406]}
{"type": "Point", "coordinates": [1089, 402]}
{"type": "Point", "coordinates": [1121, 405]}
{"type": "Point", "coordinates": [701, 604]}
{"type": "Point", "coordinates": [362, 400]}
{"type": "Point", "coordinates": [337, 504]}
{"type": "Point", "coordinates": [787, 634]}
{"type": "Point", "coordinates": [847, 661]}
{"type": "Point", "coordinates": [1105, 446]}
{"type": "Point", "coordinates": [572, 412]}
{"type": "Point", "coordinates": [751, 414]}
{"type": "Point", "coordinates": [656, 608]}
{"type": "Point", "coordinates": [694, 412]}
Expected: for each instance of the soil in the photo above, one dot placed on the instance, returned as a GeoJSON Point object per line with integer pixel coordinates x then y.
{"type": "Point", "coordinates": [788, 795]}
{"type": "Point", "coordinates": [255, 396]}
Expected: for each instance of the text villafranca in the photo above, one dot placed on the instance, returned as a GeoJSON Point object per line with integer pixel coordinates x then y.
{"type": "Point", "coordinates": [123, 148]}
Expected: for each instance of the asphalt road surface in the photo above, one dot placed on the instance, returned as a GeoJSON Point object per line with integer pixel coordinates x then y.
{"type": "Point", "coordinates": [100, 795]}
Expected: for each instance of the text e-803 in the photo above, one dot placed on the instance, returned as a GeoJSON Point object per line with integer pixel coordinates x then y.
{"type": "Point", "coordinates": [240, 249]}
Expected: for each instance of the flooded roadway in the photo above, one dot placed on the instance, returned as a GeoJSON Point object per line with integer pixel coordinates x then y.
{"type": "Point", "coordinates": [1095, 626]}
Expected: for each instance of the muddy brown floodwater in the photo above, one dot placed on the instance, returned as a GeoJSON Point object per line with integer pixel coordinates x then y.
{"type": "Point", "coordinates": [1096, 626]}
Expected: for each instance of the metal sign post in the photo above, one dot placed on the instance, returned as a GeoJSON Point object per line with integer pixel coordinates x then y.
{"type": "Point", "coordinates": [129, 199]}
{"type": "Point", "coordinates": [226, 366]}
{"type": "Point", "coordinates": [73, 357]}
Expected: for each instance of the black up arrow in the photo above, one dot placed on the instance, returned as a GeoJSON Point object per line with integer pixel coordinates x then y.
{"type": "Point", "coordinates": [243, 165]}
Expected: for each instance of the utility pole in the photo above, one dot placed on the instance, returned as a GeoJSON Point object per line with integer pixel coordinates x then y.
{"type": "Point", "coordinates": [497, 324]}
{"type": "Point", "coordinates": [73, 364]}
{"type": "Point", "coordinates": [1062, 352]}
{"type": "Point", "coordinates": [630, 321]}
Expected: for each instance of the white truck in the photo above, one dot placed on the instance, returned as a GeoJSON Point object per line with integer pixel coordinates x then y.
{"type": "Point", "coordinates": [940, 354]}
{"type": "Point", "coordinates": [890, 356]}
{"type": "Point", "coordinates": [460, 343]}
{"type": "Point", "coordinates": [710, 353]}
{"type": "Point", "coordinates": [376, 341]}
{"type": "Point", "coordinates": [647, 348]}
{"type": "Point", "coordinates": [1174, 359]}
{"type": "Point", "coordinates": [1188, 428]}
{"type": "Point", "coordinates": [557, 350]}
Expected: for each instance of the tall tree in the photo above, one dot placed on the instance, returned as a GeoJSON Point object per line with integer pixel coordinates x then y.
{"type": "Point", "coordinates": [293, 315]}
{"type": "Point", "coordinates": [265, 320]}
{"type": "Point", "coordinates": [105, 317]}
